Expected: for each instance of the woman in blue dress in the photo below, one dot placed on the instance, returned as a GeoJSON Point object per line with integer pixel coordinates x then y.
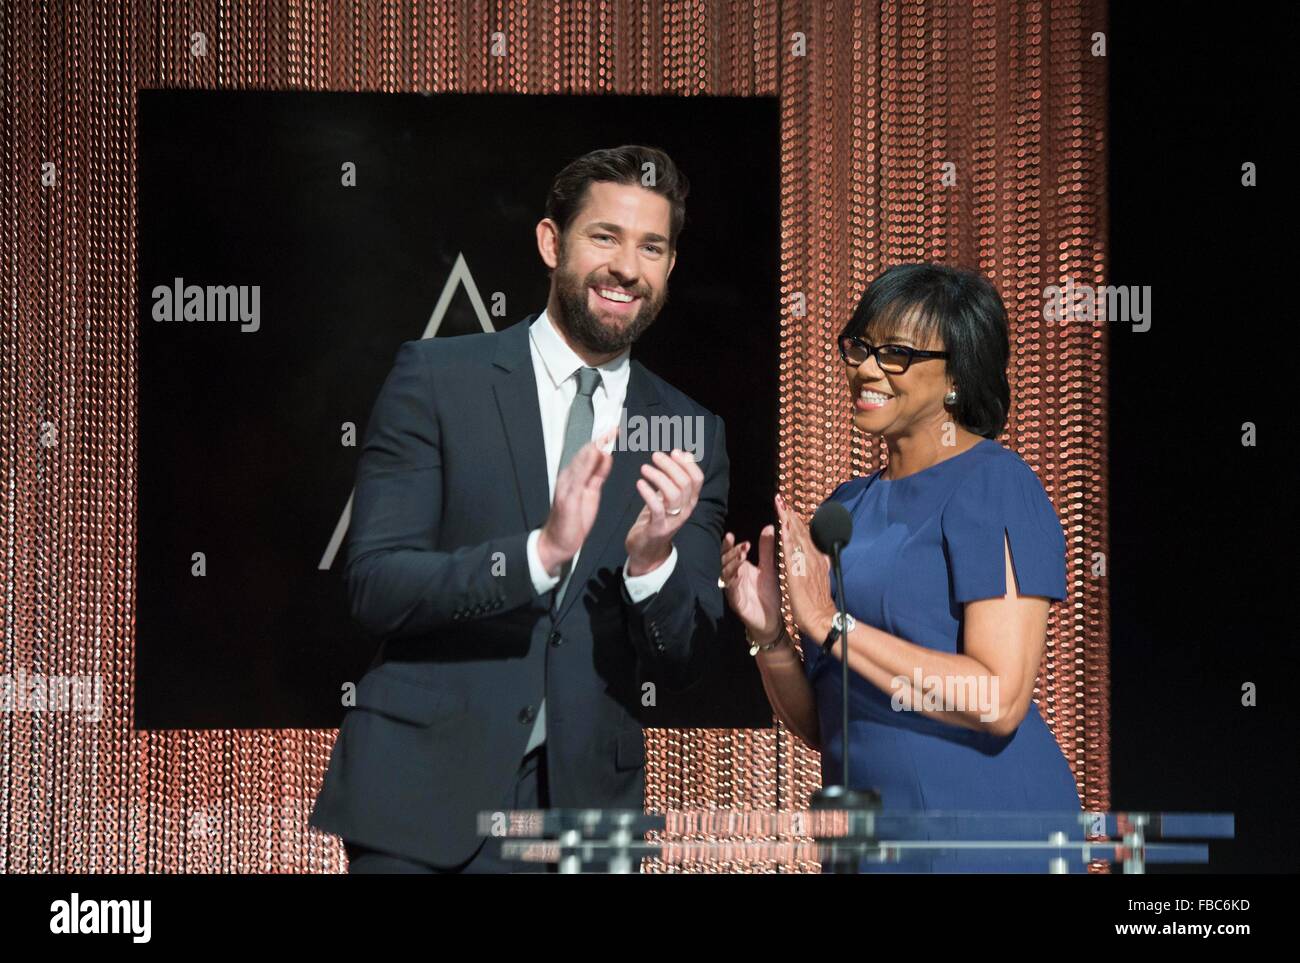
{"type": "Point", "coordinates": [955, 558]}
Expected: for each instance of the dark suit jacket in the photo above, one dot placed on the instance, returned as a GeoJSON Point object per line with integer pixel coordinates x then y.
{"type": "Point", "coordinates": [451, 480]}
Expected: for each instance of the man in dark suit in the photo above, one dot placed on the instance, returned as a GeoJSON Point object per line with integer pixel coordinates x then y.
{"type": "Point", "coordinates": [534, 593]}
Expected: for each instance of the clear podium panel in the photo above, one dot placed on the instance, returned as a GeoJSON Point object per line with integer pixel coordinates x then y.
{"type": "Point", "coordinates": [854, 840]}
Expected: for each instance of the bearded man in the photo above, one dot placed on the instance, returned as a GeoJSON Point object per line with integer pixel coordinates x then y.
{"type": "Point", "coordinates": [531, 589]}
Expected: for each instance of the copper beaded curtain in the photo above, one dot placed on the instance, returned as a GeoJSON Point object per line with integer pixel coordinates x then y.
{"type": "Point", "coordinates": [874, 102]}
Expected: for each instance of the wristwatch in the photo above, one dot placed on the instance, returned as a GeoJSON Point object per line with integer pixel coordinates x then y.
{"type": "Point", "coordinates": [837, 629]}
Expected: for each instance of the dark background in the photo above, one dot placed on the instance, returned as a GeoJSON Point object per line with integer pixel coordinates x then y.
{"type": "Point", "coordinates": [1202, 565]}
{"type": "Point", "coordinates": [240, 453]}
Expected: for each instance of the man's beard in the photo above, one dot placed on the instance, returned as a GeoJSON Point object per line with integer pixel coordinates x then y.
{"type": "Point", "coordinates": [587, 329]}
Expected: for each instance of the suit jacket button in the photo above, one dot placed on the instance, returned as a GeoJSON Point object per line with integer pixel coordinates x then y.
{"type": "Point", "coordinates": [527, 714]}
{"type": "Point", "coordinates": [556, 639]}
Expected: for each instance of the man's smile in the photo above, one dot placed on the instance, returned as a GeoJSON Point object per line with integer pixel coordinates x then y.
{"type": "Point", "coordinates": [616, 300]}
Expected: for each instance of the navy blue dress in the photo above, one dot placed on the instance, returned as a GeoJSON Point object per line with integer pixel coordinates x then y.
{"type": "Point", "coordinates": [922, 546]}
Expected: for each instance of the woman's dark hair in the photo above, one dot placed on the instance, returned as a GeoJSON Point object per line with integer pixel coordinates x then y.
{"type": "Point", "coordinates": [619, 165]}
{"type": "Point", "coordinates": [966, 312]}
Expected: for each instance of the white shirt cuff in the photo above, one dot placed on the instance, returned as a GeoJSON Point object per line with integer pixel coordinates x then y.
{"type": "Point", "coordinates": [542, 582]}
{"type": "Point", "coordinates": [641, 587]}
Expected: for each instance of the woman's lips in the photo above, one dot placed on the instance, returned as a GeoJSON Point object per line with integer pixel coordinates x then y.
{"type": "Point", "coordinates": [862, 404]}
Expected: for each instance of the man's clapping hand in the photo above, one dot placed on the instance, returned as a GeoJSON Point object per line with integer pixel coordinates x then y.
{"type": "Point", "coordinates": [577, 500]}
{"type": "Point", "coordinates": [670, 487]}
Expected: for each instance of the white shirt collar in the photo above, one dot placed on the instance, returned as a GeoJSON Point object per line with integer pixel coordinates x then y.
{"type": "Point", "coordinates": [561, 361]}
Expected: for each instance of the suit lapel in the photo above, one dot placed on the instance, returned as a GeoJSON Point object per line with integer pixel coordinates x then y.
{"type": "Point", "coordinates": [516, 395]}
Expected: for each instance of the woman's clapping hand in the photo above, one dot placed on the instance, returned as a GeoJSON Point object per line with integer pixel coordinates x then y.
{"type": "Point", "coordinates": [752, 590]}
{"type": "Point", "coordinates": [807, 576]}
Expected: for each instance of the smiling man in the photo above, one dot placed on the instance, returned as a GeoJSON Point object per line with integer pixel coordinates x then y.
{"type": "Point", "coordinates": [532, 591]}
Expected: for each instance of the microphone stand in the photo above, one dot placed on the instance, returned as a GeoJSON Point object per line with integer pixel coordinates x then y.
{"type": "Point", "coordinates": [835, 798]}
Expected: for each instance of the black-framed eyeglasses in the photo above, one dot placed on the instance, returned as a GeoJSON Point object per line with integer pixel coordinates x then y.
{"type": "Point", "coordinates": [894, 358]}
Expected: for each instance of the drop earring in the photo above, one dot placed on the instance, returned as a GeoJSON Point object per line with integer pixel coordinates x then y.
{"type": "Point", "coordinates": [950, 398]}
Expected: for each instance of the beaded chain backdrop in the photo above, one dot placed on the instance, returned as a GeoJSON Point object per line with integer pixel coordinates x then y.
{"type": "Point", "coordinates": [968, 132]}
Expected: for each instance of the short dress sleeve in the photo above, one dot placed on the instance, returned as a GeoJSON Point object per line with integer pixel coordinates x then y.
{"type": "Point", "coordinates": [1003, 495]}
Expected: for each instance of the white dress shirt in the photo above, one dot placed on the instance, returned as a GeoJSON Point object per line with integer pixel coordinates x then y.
{"type": "Point", "coordinates": [555, 366]}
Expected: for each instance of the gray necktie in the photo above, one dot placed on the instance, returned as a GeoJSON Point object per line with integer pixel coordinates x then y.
{"type": "Point", "coordinates": [577, 432]}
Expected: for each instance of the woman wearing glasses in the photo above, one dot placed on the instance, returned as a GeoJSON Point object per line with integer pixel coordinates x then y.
{"type": "Point", "coordinates": [956, 556]}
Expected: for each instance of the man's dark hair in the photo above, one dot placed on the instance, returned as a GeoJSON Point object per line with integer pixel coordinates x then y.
{"type": "Point", "coordinates": [619, 165]}
{"type": "Point", "coordinates": [964, 309]}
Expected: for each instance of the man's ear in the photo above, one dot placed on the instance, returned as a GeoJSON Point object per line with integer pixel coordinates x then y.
{"type": "Point", "coordinates": [548, 242]}
{"type": "Point", "coordinates": [672, 260]}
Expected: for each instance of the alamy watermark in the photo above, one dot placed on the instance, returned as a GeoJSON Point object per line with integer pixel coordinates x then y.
{"type": "Point", "coordinates": [1072, 301]}
{"type": "Point", "coordinates": [945, 693]}
{"type": "Point", "coordinates": [661, 433]}
{"type": "Point", "coordinates": [128, 917]}
{"type": "Point", "coordinates": [35, 692]}
{"type": "Point", "coordinates": [214, 303]}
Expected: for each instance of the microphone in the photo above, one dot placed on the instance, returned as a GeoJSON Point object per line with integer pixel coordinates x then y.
{"type": "Point", "coordinates": [831, 529]}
